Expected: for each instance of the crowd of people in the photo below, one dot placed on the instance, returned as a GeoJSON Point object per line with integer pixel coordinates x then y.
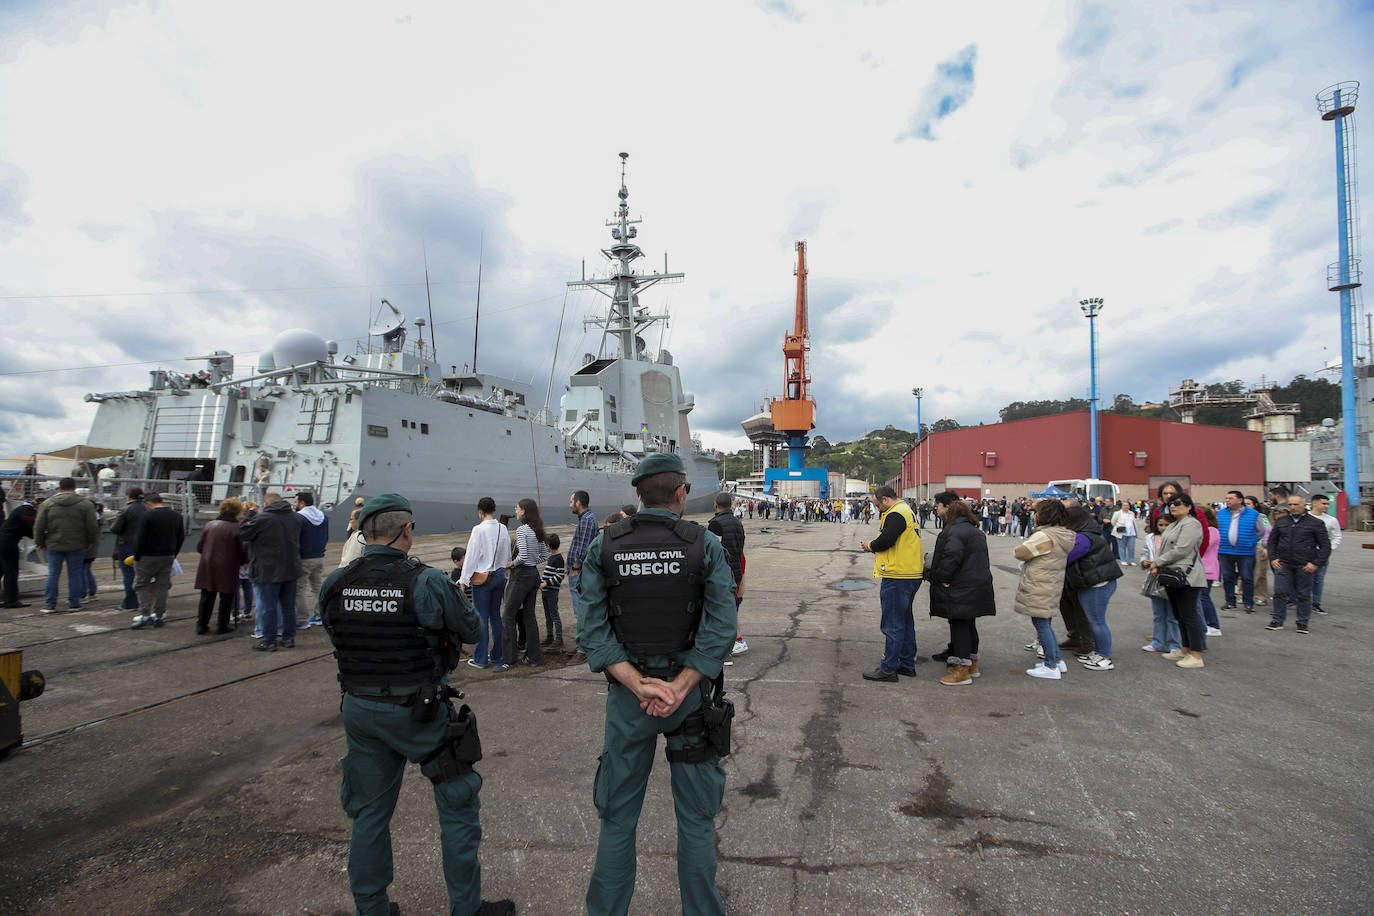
{"type": "Point", "coordinates": [1071, 561]}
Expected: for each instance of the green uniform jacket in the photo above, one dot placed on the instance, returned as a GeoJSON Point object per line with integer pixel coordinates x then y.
{"type": "Point", "coordinates": [66, 522]}
{"type": "Point", "coordinates": [439, 604]}
{"type": "Point", "coordinates": [715, 634]}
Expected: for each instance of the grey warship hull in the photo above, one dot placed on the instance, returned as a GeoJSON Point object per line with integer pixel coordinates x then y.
{"type": "Point", "coordinates": [386, 420]}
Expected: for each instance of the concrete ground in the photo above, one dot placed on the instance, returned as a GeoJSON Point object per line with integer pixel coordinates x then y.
{"type": "Point", "coordinates": [171, 773]}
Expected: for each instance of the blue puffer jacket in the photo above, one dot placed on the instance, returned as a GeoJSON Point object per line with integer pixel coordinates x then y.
{"type": "Point", "coordinates": [1245, 537]}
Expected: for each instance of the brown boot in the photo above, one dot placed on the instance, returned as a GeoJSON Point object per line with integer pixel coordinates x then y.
{"type": "Point", "coordinates": [973, 668]}
{"type": "Point", "coordinates": [958, 676]}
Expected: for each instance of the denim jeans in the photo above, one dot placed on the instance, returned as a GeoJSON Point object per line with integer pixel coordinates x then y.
{"type": "Point", "coordinates": [277, 610]}
{"type": "Point", "coordinates": [518, 607]}
{"type": "Point", "coordinates": [244, 600]}
{"type": "Point", "coordinates": [1094, 601]}
{"type": "Point", "coordinates": [130, 602]}
{"type": "Point", "coordinates": [1206, 608]}
{"type": "Point", "coordinates": [88, 574]}
{"type": "Point", "coordinates": [575, 579]}
{"type": "Point", "coordinates": [486, 598]}
{"type": "Point", "coordinates": [898, 624]}
{"type": "Point", "coordinates": [1166, 635]}
{"type": "Point", "coordinates": [1292, 584]}
{"type": "Point", "coordinates": [1126, 548]}
{"type": "Point", "coordinates": [1044, 632]}
{"type": "Point", "coordinates": [1318, 580]}
{"type": "Point", "coordinates": [1243, 566]}
{"type": "Point", "coordinates": [76, 576]}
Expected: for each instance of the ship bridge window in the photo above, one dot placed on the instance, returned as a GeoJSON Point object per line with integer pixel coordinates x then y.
{"type": "Point", "coordinates": [570, 416]}
{"type": "Point", "coordinates": [424, 429]}
{"type": "Point", "coordinates": [594, 414]}
{"type": "Point", "coordinates": [378, 431]}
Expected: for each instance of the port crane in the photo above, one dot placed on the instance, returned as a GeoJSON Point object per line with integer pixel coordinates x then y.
{"type": "Point", "coordinates": [794, 414]}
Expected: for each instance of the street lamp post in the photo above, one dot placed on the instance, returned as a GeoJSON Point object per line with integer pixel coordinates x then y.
{"type": "Point", "coordinates": [1092, 308]}
{"type": "Point", "coordinates": [919, 488]}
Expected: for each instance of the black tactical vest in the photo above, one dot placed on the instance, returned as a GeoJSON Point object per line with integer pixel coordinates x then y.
{"type": "Point", "coordinates": [378, 640]}
{"type": "Point", "coordinates": [655, 585]}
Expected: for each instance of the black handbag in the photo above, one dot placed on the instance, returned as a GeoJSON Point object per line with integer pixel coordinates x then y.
{"type": "Point", "coordinates": [1173, 577]}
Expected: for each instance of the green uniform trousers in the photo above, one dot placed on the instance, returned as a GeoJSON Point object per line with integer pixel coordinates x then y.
{"type": "Point", "coordinates": [627, 757]}
{"type": "Point", "coordinates": [381, 738]}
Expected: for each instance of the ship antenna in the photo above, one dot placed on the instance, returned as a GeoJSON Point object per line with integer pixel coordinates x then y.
{"type": "Point", "coordinates": [477, 323]}
{"type": "Point", "coordinates": [434, 347]}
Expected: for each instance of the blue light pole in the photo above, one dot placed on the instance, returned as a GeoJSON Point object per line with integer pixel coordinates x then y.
{"type": "Point", "coordinates": [1337, 104]}
{"type": "Point", "coordinates": [918, 392]}
{"type": "Point", "coordinates": [1092, 308]}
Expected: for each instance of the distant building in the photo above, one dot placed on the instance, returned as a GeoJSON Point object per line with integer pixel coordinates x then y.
{"type": "Point", "coordinates": [1136, 453]}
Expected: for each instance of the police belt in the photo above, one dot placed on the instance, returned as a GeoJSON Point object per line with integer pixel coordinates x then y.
{"type": "Point", "coordinates": [406, 700]}
{"type": "Point", "coordinates": [673, 669]}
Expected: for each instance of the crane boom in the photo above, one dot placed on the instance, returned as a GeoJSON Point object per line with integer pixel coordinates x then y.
{"type": "Point", "coordinates": [795, 413]}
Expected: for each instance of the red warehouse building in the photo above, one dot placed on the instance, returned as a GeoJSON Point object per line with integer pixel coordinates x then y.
{"type": "Point", "coordinates": [1136, 453]}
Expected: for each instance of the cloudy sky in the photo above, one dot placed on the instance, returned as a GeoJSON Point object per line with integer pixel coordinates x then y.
{"type": "Point", "coordinates": [180, 177]}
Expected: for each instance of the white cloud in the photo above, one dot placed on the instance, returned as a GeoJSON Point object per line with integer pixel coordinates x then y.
{"type": "Point", "coordinates": [1168, 159]}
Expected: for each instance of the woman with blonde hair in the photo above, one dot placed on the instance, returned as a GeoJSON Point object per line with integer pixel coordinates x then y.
{"type": "Point", "coordinates": [221, 555]}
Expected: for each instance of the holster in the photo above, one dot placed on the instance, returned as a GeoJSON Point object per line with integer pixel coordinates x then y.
{"type": "Point", "coordinates": [712, 723]}
{"type": "Point", "coordinates": [462, 746]}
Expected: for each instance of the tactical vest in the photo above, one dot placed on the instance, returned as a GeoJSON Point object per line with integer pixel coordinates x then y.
{"type": "Point", "coordinates": [378, 640]}
{"type": "Point", "coordinates": [655, 584]}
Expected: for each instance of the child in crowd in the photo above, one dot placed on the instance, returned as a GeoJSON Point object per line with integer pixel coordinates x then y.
{"type": "Point", "coordinates": [551, 580]}
{"type": "Point", "coordinates": [456, 573]}
{"type": "Point", "coordinates": [1211, 565]}
{"type": "Point", "coordinates": [1166, 637]}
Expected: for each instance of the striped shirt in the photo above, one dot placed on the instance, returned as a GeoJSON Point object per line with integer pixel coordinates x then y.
{"type": "Point", "coordinates": [529, 550]}
{"type": "Point", "coordinates": [554, 571]}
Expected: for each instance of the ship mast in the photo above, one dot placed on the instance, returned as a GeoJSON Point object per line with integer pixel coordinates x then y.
{"type": "Point", "coordinates": [626, 317]}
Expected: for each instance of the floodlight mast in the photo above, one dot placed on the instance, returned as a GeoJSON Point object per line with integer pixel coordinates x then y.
{"type": "Point", "coordinates": [1092, 308]}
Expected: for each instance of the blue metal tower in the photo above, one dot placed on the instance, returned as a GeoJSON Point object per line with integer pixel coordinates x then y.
{"type": "Point", "coordinates": [1337, 104]}
{"type": "Point", "coordinates": [1092, 308]}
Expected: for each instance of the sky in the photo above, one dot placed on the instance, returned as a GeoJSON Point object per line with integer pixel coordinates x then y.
{"type": "Point", "coordinates": [177, 178]}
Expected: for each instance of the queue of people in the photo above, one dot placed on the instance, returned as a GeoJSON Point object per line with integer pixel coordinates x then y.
{"type": "Point", "coordinates": [1071, 565]}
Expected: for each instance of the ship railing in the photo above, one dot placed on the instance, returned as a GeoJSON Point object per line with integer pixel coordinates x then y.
{"type": "Point", "coordinates": [108, 495]}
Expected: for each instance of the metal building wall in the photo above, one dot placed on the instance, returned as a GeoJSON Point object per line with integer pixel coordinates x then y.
{"type": "Point", "coordinates": [1036, 451]}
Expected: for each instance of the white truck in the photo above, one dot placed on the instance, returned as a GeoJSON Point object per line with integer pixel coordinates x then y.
{"type": "Point", "coordinates": [1089, 488]}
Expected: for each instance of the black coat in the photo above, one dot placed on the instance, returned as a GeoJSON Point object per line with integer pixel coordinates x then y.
{"type": "Point", "coordinates": [273, 539]}
{"type": "Point", "coordinates": [1098, 565]}
{"type": "Point", "coordinates": [961, 561]}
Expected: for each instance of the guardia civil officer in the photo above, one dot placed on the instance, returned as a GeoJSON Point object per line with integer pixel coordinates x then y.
{"type": "Point", "coordinates": [658, 617]}
{"type": "Point", "coordinates": [390, 618]}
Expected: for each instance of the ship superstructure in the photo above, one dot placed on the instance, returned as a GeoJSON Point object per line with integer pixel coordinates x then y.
{"type": "Point", "coordinates": [386, 419]}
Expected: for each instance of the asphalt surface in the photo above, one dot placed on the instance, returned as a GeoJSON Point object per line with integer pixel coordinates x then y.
{"type": "Point", "coordinates": [172, 773]}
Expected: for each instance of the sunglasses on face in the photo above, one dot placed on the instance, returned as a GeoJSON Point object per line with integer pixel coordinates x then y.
{"type": "Point", "coordinates": [1176, 503]}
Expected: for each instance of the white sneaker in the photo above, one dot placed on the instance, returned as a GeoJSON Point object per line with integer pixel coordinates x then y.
{"type": "Point", "coordinates": [1098, 662]}
{"type": "Point", "coordinates": [1049, 674]}
{"type": "Point", "coordinates": [740, 648]}
{"type": "Point", "coordinates": [1033, 646]}
{"type": "Point", "coordinates": [1063, 668]}
{"type": "Point", "coordinates": [1213, 631]}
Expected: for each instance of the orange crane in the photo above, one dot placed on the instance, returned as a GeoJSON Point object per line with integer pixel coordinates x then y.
{"type": "Point", "coordinates": [794, 414]}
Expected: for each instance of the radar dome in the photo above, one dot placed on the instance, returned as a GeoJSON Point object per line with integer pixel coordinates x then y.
{"type": "Point", "coordinates": [298, 346]}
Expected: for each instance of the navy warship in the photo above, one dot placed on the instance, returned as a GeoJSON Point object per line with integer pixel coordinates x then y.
{"type": "Point", "coordinates": [386, 419]}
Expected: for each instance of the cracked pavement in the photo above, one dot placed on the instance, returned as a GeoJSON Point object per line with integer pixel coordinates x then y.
{"type": "Point", "coordinates": [189, 775]}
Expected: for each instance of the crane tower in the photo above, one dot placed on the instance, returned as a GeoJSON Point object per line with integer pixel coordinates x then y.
{"type": "Point", "coordinates": [794, 414]}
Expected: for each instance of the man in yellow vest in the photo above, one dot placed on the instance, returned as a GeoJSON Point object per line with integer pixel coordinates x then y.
{"type": "Point", "coordinates": [898, 565]}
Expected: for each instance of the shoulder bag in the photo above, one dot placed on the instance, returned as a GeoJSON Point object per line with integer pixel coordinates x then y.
{"type": "Point", "coordinates": [1173, 577]}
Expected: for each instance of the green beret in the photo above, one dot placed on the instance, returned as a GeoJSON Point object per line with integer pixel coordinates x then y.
{"type": "Point", "coordinates": [386, 502]}
{"type": "Point", "coordinates": [658, 463]}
